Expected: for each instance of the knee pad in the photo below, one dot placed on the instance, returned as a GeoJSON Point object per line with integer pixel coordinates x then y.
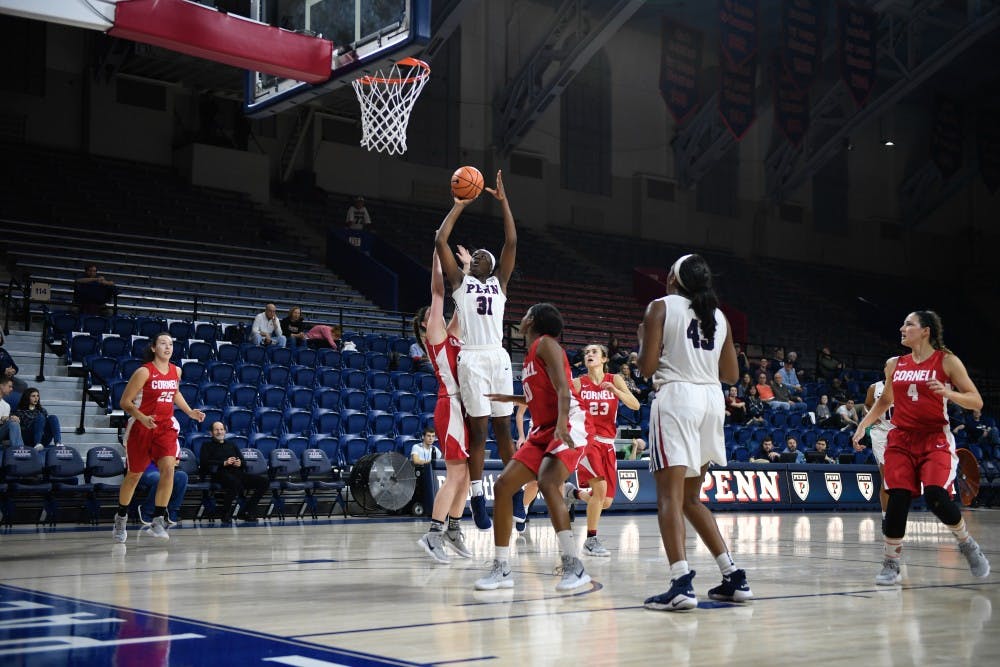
{"type": "Point", "coordinates": [941, 504]}
{"type": "Point", "coordinates": [896, 512]}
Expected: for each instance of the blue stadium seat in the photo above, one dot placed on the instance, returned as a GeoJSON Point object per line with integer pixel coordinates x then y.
{"type": "Point", "coordinates": [326, 421]}
{"type": "Point", "coordinates": [354, 399]}
{"type": "Point", "coordinates": [241, 441]}
{"type": "Point", "coordinates": [102, 370]}
{"type": "Point", "coordinates": [354, 379]}
{"type": "Point", "coordinates": [180, 329]}
{"type": "Point", "coordinates": [377, 361]}
{"type": "Point", "coordinates": [404, 401]}
{"type": "Point", "coordinates": [95, 325]}
{"type": "Point", "coordinates": [404, 444]}
{"type": "Point", "coordinates": [304, 376]}
{"type": "Point", "coordinates": [328, 357]}
{"type": "Point", "coordinates": [380, 400]}
{"type": "Point", "coordinates": [243, 395]}
{"type": "Point", "coordinates": [404, 364]}
{"type": "Point", "coordinates": [426, 382]}
{"type": "Point", "coordinates": [123, 326]}
{"type": "Point", "coordinates": [82, 345]}
{"type": "Point", "coordinates": [206, 331]}
{"type": "Point", "coordinates": [327, 376]}
{"type": "Point", "coordinates": [381, 443]}
{"type": "Point", "coordinates": [265, 442]}
{"type": "Point", "coordinates": [149, 327]}
{"type": "Point", "coordinates": [326, 398]}
{"type": "Point", "coordinates": [193, 371]}
{"type": "Point", "coordinates": [277, 374]}
{"type": "Point", "coordinates": [352, 448]}
{"type": "Point", "coordinates": [306, 356]}
{"type": "Point", "coordinates": [253, 354]}
{"type": "Point", "coordinates": [115, 346]}
{"type": "Point", "coordinates": [381, 423]}
{"type": "Point", "coordinates": [297, 420]}
{"type": "Point", "coordinates": [238, 420]}
{"type": "Point", "coordinates": [194, 442]}
{"type": "Point", "coordinates": [355, 360]}
{"type": "Point", "coordinates": [428, 401]}
{"type": "Point", "coordinates": [221, 373]}
{"type": "Point", "coordinates": [299, 397]}
{"type": "Point", "coordinates": [227, 353]}
{"type": "Point", "coordinates": [190, 392]}
{"type": "Point", "coordinates": [214, 395]}
{"type": "Point", "coordinates": [138, 346]}
{"type": "Point", "coordinates": [296, 442]}
{"type": "Point", "coordinates": [281, 356]}
{"type": "Point", "coordinates": [353, 422]}
{"type": "Point", "coordinates": [407, 423]}
{"type": "Point", "coordinates": [376, 343]}
{"type": "Point", "coordinates": [249, 373]}
{"type": "Point", "coordinates": [200, 350]}
{"type": "Point", "coordinates": [272, 395]}
{"type": "Point", "coordinates": [404, 381]}
{"type": "Point", "coordinates": [378, 380]}
{"type": "Point", "coordinates": [212, 415]}
{"type": "Point", "coordinates": [267, 420]}
{"type": "Point", "coordinates": [328, 443]}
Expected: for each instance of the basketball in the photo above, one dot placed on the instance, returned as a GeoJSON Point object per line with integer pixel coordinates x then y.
{"type": "Point", "coordinates": [466, 183]}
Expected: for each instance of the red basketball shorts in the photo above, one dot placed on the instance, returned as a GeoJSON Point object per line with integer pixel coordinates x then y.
{"type": "Point", "coordinates": [452, 431]}
{"type": "Point", "coordinates": [541, 444]}
{"type": "Point", "coordinates": [598, 462]}
{"type": "Point", "coordinates": [143, 445]}
{"type": "Point", "coordinates": [913, 458]}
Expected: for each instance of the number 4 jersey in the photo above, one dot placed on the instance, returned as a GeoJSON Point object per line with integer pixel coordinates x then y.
{"type": "Point", "coordinates": [915, 406]}
{"type": "Point", "coordinates": [480, 310]}
{"type": "Point", "coordinates": [687, 356]}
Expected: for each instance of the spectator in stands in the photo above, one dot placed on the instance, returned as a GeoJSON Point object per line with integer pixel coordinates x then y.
{"type": "Point", "coordinates": [764, 366]}
{"type": "Point", "coordinates": [266, 329]}
{"type": "Point", "coordinates": [741, 359]}
{"type": "Point", "coordinates": [38, 427]}
{"type": "Point", "coordinates": [783, 395]}
{"type": "Point", "coordinates": [10, 425]}
{"type": "Point", "coordinates": [9, 369]}
{"type": "Point", "coordinates": [825, 418]}
{"type": "Point", "coordinates": [223, 460]}
{"type": "Point", "coordinates": [736, 410]}
{"type": "Point", "coordinates": [625, 371]}
{"type": "Point", "coordinates": [743, 387]}
{"type": "Point", "coordinates": [755, 407]}
{"type": "Point", "coordinates": [980, 431]}
{"type": "Point", "coordinates": [92, 291]}
{"type": "Point", "coordinates": [766, 453]}
{"type": "Point", "coordinates": [779, 354]}
{"type": "Point", "coordinates": [617, 355]}
{"type": "Point", "coordinates": [150, 479]}
{"type": "Point", "coordinates": [635, 450]}
{"type": "Point", "coordinates": [821, 448]}
{"type": "Point", "coordinates": [791, 379]}
{"type": "Point", "coordinates": [421, 362]}
{"type": "Point", "coordinates": [298, 332]}
{"type": "Point", "coordinates": [838, 392]}
{"type": "Point", "coordinates": [792, 447]}
{"type": "Point", "coordinates": [826, 365]}
{"type": "Point", "coordinates": [641, 383]}
{"type": "Point", "coordinates": [766, 394]}
{"type": "Point", "coordinates": [425, 451]}
{"type": "Point", "coordinates": [357, 215]}
{"type": "Point", "coordinates": [848, 415]}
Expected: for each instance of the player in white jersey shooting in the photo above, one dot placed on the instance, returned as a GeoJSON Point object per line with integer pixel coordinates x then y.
{"type": "Point", "coordinates": [484, 365]}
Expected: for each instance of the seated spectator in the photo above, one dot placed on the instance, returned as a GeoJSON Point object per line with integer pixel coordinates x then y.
{"type": "Point", "coordinates": [421, 362]}
{"type": "Point", "coordinates": [791, 378]}
{"type": "Point", "coordinates": [824, 417]}
{"type": "Point", "coordinates": [826, 365]}
{"type": "Point", "coordinates": [92, 291]}
{"type": "Point", "coordinates": [10, 425]}
{"type": "Point", "coordinates": [357, 215]}
{"type": "Point", "coordinates": [298, 332]}
{"type": "Point", "coordinates": [9, 369]}
{"type": "Point", "coordinates": [736, 410]}
{"type": "Point", "coordinates": [38, 427]}
{"type": "Point", "coordinates": [766, 393]}
{"type": "Point", "coordinates": [766, 453]}
{"type": "Point", "coordinates": [848, 415]}
{"type": "Point", "coordinates": [617, 355]}
{"type": "Point", "coordinates": [637, 450]}
{"type": "Point", "coordinates": [764, 366]}
{"type": "Point", "coordinates": [783, 395]}
{"type": "Point", "coordinates": [821, 448]}
{"type": "Point", "coordinates": [266, 329]}
{"type": "Point", "coordinates": [838, 392]}
{"type": "Point", "coordinates": [224, 462]}
{"type": "Point", "coordinates": [743, 386]}
{"type": "Point", "coordinates": [627, 373]}
{"type": "Point", "coordinates": [779, 354]}
{"type": "Point", "coordinates": [755, 407]}
{"type": "Point", "coordinates": [151, 479]}
{"type": "Point", "coordinates": [792, 447]}
{"type": "Point", "coordinates": [741, 360]}
{"type": "Point", "coordinates": [981, 432]}
{"type": "Point", "coordinates": [425, 451]}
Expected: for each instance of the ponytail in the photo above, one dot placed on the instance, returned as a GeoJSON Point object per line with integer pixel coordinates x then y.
{"type": "Point", "coordinates": [931, 320]}
{"type": "Point", "coordinates": [694, 280]}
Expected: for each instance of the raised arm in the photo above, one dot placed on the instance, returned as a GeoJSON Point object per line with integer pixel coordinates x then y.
{"type": "Point", "coordinates": [508, 253]}
{"type": "Point", "coordinates": [445, 256]}
{"type": "Point", "coordinates": [621, 390]}
{"type": "Point", "coordinates": [435, 314]}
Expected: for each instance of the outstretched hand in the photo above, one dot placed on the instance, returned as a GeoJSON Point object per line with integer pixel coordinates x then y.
{"type": "Point", "coordinates": [465, 257]}
{"type": "Point", "coordinates": [498, 192]}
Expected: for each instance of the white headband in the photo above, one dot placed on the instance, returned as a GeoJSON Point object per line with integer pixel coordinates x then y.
{"type": "Point", "coordinates": [676, 270]}
{"type": "Point", "coordinates": [493, 260]}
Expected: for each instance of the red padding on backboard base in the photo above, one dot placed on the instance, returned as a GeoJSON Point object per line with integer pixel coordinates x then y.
{"type": "Point", "coordinates": [203, 32]}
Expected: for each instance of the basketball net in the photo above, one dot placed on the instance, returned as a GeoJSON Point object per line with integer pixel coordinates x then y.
{"type": "Point", "coordinates": [386, 100]}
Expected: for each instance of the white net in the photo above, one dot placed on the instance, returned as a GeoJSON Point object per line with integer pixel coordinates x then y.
{"type": "Point", "coordinates": [386, 99]}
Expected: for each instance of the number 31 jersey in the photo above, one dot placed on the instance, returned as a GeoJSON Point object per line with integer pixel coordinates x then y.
{"type": "Point", "coordinates": [687, 356]}
{"type": "Point", "coordinates": [480, 308]}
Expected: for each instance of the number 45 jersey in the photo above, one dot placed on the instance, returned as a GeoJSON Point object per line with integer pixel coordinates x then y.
{"type": "Point", "coordinates": [480, 311]}
{"type": "Point", "coordinates": [687, 356]}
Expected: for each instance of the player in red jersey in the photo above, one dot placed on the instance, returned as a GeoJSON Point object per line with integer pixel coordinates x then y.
{"type": "Point", "coordinates": [442, 346]}
{"type": "Point", "coordinates": [920, 450]}
{"type": "Point", "coordinates": [600, 393]}
{"type": "Point", "coordinates": [550, 454]}
{"type": "Point", "coordinates": [151, 434]}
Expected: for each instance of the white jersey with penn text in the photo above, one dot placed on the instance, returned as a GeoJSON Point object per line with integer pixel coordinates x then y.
{"type": "Point", "coordinates": [686, 355]}
{"type": "Point", "coordinates": [480, 307]}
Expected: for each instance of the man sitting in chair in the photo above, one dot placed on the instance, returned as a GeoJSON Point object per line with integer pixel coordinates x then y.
{"type": "Point", "coordinates": [223, 460]}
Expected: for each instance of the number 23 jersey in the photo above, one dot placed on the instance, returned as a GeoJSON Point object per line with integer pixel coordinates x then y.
{"type": "Point", "coordinates": [686, 356]}
{"type": "Point", "coordinates": [480, 310]}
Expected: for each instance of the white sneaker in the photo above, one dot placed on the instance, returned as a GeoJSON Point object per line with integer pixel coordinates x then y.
{"type": "Point", "coordinates": [144, 518]}
{"type": "Point", "coordinates": [456, 540]}
{"type": "Point", "coordinates": [978, 564]}
{"type": "Point", "coordinates": [118, 531]}
{"type": "Point", "coordinates": [573, 574]}
{"type": "Point", "coordinates": [433, 544]}
{"type": "Point", "coordinates": [890, 574]}
{"type": "Point", "coordinates": [158, 528]}
{"type": "Point", "coordinates": [497, 578]}
{"type": "Point", "coordinates": [593, 547]}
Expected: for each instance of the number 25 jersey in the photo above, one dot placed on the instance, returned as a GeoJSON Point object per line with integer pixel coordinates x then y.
{"type": "Point", "coordinates": [480, 311]}
{"type": "Point", "coordinates": [687, 356]}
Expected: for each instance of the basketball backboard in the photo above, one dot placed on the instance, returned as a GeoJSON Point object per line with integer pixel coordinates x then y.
{"type": "Point", "coordinates": [367, 35]}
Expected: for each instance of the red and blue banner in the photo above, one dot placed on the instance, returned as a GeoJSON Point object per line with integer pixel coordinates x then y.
{"type": "Point", "coordinates": [947, 135]}
{"type": "Point", "coordinates": [738, 30]}
{"type": "Point", "coordinates": [858, 48]}
{"type": "Point", "coordinates": [737, 96]}
{"type": "Point", "coordinates": [802, 40]}
{"type": "Point", "coordinates": [791, 105]}
{"type": "Point", "coordinates": [680, 61]}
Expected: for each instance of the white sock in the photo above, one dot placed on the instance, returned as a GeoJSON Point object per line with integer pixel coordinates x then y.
{"type": "Point", "coordinates": [567, 543]}
{"type": "Point", "coordinates": [679, 569]}
{"type": "Point", "coordinates": [476, 487]}
{"type": "Point", "coordinates": [960, 531]}
{"type": "Point", "coordinates": [502, 554]}
{"type": "Point", "coordinates": [725, 563]}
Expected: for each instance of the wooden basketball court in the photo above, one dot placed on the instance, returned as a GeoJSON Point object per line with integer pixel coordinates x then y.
{"type": "Point", "coordinates": [361, 592]}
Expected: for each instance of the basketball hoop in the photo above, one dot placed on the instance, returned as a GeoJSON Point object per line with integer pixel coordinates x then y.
{"type": "Point", "coordinates": [386, 100]}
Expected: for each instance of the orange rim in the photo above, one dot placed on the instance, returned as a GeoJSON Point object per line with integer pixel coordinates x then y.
{"type": "Point", "coordinates": [369, 79]}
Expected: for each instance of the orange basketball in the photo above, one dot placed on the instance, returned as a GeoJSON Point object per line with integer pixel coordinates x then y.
{"type": "Point", "coordinates": [466, 183]}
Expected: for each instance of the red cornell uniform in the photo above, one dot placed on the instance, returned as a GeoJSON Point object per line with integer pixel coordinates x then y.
{"type": "Point", "coordinates": [598, 460]}
{"type": "Point", "coordinates": [921, 448]}
{"type": "Point", "coordinates": [543, 402]}
{"type": "Point", "coordinates": [143, 445]}
{"type": "Point", "coordinates": [449, 417]}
